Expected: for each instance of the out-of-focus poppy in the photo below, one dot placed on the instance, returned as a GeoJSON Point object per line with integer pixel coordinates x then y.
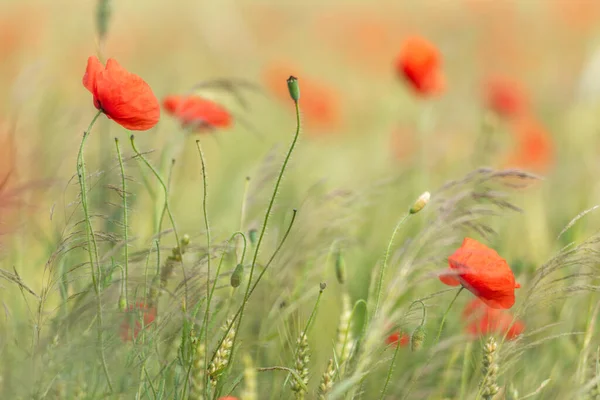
{"type": "Point", "coordinates": [398, 338]}
{"type": "Point", "coordinates": [124, 97]}
{"type": "Point", "coordinates": [197, 113]}
{"type": "Point", "coordinates": [579, 15]}
{"type": "Point", "coordinates": [483, 272]}
{"type": "Point", "coordinates": [131, 326]}
{"type": "Point", "coordinates": [403, 143]}
{"type": "Point", "coordinates": [506, 97]}
{"type": "Point", "coordinates": [534, 148]}
{"type": "Point", "coordinates": [419, 63]}
{"type": "Point", "coordinates": [483, 320]}
{"type": "Point", "coordinates": [319, 103]}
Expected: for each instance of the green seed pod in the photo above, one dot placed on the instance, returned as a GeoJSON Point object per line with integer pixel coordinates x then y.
{"type": "Point", "coordinates": [236, 276]}
{"type": "Point", "coordinates": [340, 267]}
{"type": "Point", "coordinates": [293, 88]}
{"type": "Point", "coordinates": [417, 339]}
{"type": "Point", "coordinates": [253, 234]}
{"type": "Point", "coordinates": [185, 240]}
{"type": "Point", "coordinates": [122, 303]}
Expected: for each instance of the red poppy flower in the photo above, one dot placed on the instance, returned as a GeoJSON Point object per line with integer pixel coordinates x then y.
{"type": "Point", "coordinates": [228, 398]}
{"type": "Point", "coordinates": [419, 63]}
{"type": "Point", "coordinates": [197, 113]}
{"type": "Point", "coordinates": [319, 103]}
{"type": "Point", "coordinates": [534, 148]}
{"type": "Point", "coordinates": [483, 320]}
{"type": "Point", "coordinates": [121, 95]}
{"type": "Point", "coordinates": [483, 272]}
{"type": "Point", "coordinates": [132, 324]}
{"type": "Point", "coordinates": [506, 97]}
{"type": "Point", "coordinates": [398, 338]}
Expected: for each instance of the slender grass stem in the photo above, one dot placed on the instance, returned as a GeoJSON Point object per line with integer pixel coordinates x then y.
{"type": "Point", "coordinates": [439, 334]}
{"type": "Point", "coordinates": [385, 261]}
{"type": "Point", "coordinates": [168, 208]}
{"type": "Point", "coordinates": [266, 221]}
{"type": "Point", "coordinates": [92, 248]}
{"type": "Point", "coordinates": [207, 226]}
{"type": "Point", "coordinates": [125, 221]}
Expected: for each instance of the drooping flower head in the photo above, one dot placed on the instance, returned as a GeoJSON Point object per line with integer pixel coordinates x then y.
{"type": "Point", "coordinates": [197, 113]}
{"type": "Point", "coordinates": [124, 97]}
{"type": "Point", "coordinates": [131, 326]}
{"type": "Point", "coordinates": [419, 63]}
{"type": "Point", "coordinates": [506, 97]}
{"type": "Point", "coordinates": [483, 321]}
{"type": "Point", "coordinates": [483, 272]}
{"type": "Point", "coordinates": [398, 338]}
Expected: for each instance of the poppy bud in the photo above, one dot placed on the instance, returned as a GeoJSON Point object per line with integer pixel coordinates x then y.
{"type": "Point", "coordinates": [253, 236]}
{"type": "Point", "coordinates": [417, 339]}
{"type": "Point", "coordinates": [122, 303]}
{"type": "Point", "coordinates": [185, 240]}
{"type": "Point", "coordinates": [322, 285]}
{"type": "Point", "coordinates": [293, 88]}
{"type": "Point", "coordinates": [236, 276]}
{"type": "Point", "coordinates": [340, 267]}
{"type": "Point", "coordinates": [420, 203]}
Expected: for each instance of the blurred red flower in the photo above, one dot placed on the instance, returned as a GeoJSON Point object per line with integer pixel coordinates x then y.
{"type": "Point", "coordinates": [228, 398]}
{"type": "Point", "coordinates": [398, 338]}
{"type": "Point", "coordinates": [319, 103]}
{"type": "Point", "coordinates": [197, 113]}
{"type": "Point", "coordinates": [419, 63]}
{"type": "Point", "coordinates": [506, 97]}
{"type": "Point", "coordinates": [483, 320]}
{"type": "Point", "coordinates": [534, 148]}
{"type": "Point", "coordinates": [124, 97]}
{"type": "Point", "coordinates": [132, 323]}
{"type": "Point", "coordinates": [483, 272]}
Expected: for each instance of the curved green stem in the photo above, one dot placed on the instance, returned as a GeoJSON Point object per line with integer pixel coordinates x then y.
{"type": "Point", "coordinates": [207, 226]}
{"type": "Point", "coordinates": [390, 370]}
{"type": "Point", "coordinates": [92, 247]}
{"type": "Point", "coordinates": [437, 339]}
{"type": "Point", "coordinates": [168, 208]}
{"type": "Point", "coordinates": [125, 220]}
{"type": "Point", "coordinates": [238, 312]}
{"type": "Point", "coordinates": [385, 261]}
{"type": "Point", "coordinates": [266, 219]}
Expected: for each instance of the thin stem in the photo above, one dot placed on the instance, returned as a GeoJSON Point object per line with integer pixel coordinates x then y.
{"type": "Point", "coordinates": [385, 261]}
{"type": "Point", "coordinates": [125, 221]}
{"type": "Point", "coordinates": [91, 242]}
{"type": "Point", "coordinates": [168, 208]}
{"type": "Point", "coordinates": [437, 339]}
{"type": "Point", "coordinates": [237, 314]}
{"type": "Point", "coordinates": [390, 370]}
{"type": "Point", "coordinates": [207, 226]}
{"type": "Point", "coordinates": [266, 220]}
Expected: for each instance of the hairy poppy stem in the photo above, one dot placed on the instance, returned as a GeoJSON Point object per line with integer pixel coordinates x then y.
{"type": "Point", "coordinates": [125, 221]}
{"type": "Point", "coordinates": [207, 226]}
{"type": "Point", "coordinates": [250, 288]}
{"type": "Point", "coordinates": [167, 207]}
{"type": "Point", "coordinates": [437, 339]}
{"type": "Point", "coordinates": [385, 261]}
{"type": "Point", "coordinates": [92, 247]}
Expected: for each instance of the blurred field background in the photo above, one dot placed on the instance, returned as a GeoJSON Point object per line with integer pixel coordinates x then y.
{"type": "Point", "coordinates": [369, 147]}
